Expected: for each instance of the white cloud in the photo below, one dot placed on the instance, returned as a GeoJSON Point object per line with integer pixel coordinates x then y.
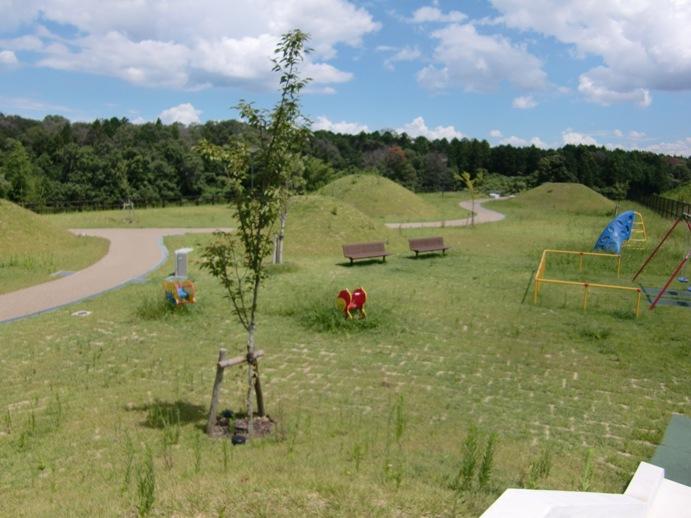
{"type": "Point", "coordinates": [643, 44]}
{"type": "Point", "coordinates": [27, 42]}
{"type": "Point", "coordinates": [177, 43]}
{"type": "Point", "coordinates": [29, 104]}
{"type": "Point", "coordinates": [325, 73]}
{"type": "Point", "coordinates": [524, 103]}
{"type": "Point", "coordinates": [495, 133]}
{"type": "Point", "coordinates": [352, 128]}
{"type": "Point", "coordinates": [521, 142]}
{"type": "Point", "coordinates": [434, 14]}
{"type": "Point", "coordinates": [636, 135]}
{"type": "Point", "coordinates": [618, 133]}
{"type": "Point", "coordinates": [680, 147]}
{"type": "Point", "coordinates": [596, 90]}
{"type": "Point", "coordinates": [418, 128]}
{"type": "Point", "coordinates": [538, 142]}
{"type": "Point", "coordinates": [464, 58]}
{"type": "Point", "coordinates": [183, 113]}
{"type": "Point", "coordinates": [144, 63]}
{"type": "Point", "coordinates": [404, 54]}
{"type": "Point", "coordinates": [322, 90]}
{"type": "Point", "coordinates": [7, 57]}
{"type": "Point", "coordinates": [575, 138]}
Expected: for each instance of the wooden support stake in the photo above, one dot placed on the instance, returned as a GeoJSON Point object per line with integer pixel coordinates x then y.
{"type": "Point", "coordinates": [237, 360]}
{"type": "Point", "coordinates": [213, 409]}
{"type": "Point", "coordinates": [258, 388]}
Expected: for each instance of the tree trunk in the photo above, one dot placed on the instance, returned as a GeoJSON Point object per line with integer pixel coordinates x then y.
{"type": "Point", "coordinates": [250, 377]}
{"type": "Point", "coordinates": [472, 212]}
{"type": "Point", "coordinates": [278, 244]}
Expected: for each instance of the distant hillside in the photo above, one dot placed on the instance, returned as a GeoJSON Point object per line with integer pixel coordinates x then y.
{"type": "Point", "coordinates": [681, 193]}
{"type": "Point", "coordinates": [319, 225]}
{"type": "Point", "coordinates": [566, 197]}
{"type": "Point", "coordinates": [380, 197]}
{"type": "Point", "coordinates": [31, 248]}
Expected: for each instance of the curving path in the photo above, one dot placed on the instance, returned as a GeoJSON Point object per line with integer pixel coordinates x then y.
{"type": "Point", "coordinates": [482, 215]}
{"type": "Point", "coordinates": [132, 254]}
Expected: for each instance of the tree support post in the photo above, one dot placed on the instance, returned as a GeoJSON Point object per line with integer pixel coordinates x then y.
{"type": "Point", "coordinates": [213, 408]}
{"type": "Point", "coordinates": [223, 362]}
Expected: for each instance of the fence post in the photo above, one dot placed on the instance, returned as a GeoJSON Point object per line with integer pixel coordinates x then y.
{"type": "Point", "coordinates": [666, 207]}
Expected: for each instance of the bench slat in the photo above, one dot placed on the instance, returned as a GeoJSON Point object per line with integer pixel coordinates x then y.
{"type": "Point", "coordinates": [365, 250]}
{"type": "Point", "coordinates": [427, 244]}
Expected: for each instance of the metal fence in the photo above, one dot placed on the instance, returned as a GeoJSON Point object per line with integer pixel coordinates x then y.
{"type": "Point", "coordinates": [665, 206]}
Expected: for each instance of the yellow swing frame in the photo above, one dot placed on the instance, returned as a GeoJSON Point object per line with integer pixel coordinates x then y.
{"type": "Point", "coordinates": [540, 278]}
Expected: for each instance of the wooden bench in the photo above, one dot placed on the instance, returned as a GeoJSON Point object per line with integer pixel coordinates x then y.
{"type": "Point", "coordinates": [427, 244]}
{"type": "Point", "coordinates": [357, 251]}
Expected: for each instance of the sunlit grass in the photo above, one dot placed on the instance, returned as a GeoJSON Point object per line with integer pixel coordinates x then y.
{"type": "Point", "coordinates": [31, 249]}
{"type": "Point", "coordinates": [372, 416]}
{"type": "Point", "coordinates": [186, 216]}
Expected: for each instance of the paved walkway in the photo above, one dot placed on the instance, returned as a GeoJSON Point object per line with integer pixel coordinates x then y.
{"type": "Point", "coordinates": [132, 254]}
{"type": "Point", "coordinates": [482, 215]}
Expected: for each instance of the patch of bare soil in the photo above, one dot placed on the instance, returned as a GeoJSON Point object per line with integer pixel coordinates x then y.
{"type": "Point", "coordinates": [238, 430]}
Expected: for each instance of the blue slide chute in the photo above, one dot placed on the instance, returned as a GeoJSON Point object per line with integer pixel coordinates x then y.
{"type": "Point", "coordinates": [614, 234]}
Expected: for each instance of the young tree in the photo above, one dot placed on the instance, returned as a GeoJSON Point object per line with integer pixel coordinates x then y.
{"type": "Point", "coordinates": [472, 184]}
{"type": "Point", "coordinates": [259, 177]}
{"type": "Point", "coordinates": [294, 181]}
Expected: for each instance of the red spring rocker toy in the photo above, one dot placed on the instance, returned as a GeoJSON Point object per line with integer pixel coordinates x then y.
{"type": "Point", "coordinates": [347, 302]}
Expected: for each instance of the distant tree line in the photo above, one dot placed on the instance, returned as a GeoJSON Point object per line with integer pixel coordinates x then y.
{"type": "Point", "coordinates": [109, 161]}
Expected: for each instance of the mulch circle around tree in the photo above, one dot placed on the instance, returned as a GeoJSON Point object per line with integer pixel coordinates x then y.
{"type": "Point", "coordinates": [236, 429]}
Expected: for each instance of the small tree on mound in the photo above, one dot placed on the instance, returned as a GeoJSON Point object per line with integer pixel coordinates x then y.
{"type": "Point", "coordinates": [472, 185]}
{"type": "Point", "coordinates": [260, 177]}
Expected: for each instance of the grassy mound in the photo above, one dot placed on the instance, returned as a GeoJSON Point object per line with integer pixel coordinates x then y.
{"type": "Point", "coordinates": [379, 197]}
{"type": "Point", "coordinates": [319, 225]}
{"type": "Point", "coordinates": [32, 248]}
{"type": "Point", "coordinates": [681, 193]}
{"type": "Point", "coordinates": [566, 197]}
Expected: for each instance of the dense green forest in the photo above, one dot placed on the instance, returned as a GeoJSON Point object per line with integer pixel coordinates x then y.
{"type": "Point", "coordinates": [54, 162]}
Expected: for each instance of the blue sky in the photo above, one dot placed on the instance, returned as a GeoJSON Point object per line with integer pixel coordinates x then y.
{"type": "Point", "coordinates": [545, 72]}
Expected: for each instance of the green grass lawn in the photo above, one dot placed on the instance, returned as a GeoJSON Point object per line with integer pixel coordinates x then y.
{"type": "Point", "coordinates": [31, 249]}
{"type": "Point", "coordinates": [165, 217]}
{"type": "Point", "coordinates": [447, 203]}
{"type": "Point", "coordinates": [372, 416]}
{"type": "Point", "coordinates": [374, 196]}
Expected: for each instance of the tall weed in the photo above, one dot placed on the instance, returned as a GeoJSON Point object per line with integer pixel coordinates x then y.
{"type": "Point", "coordinates": [146, 484]}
